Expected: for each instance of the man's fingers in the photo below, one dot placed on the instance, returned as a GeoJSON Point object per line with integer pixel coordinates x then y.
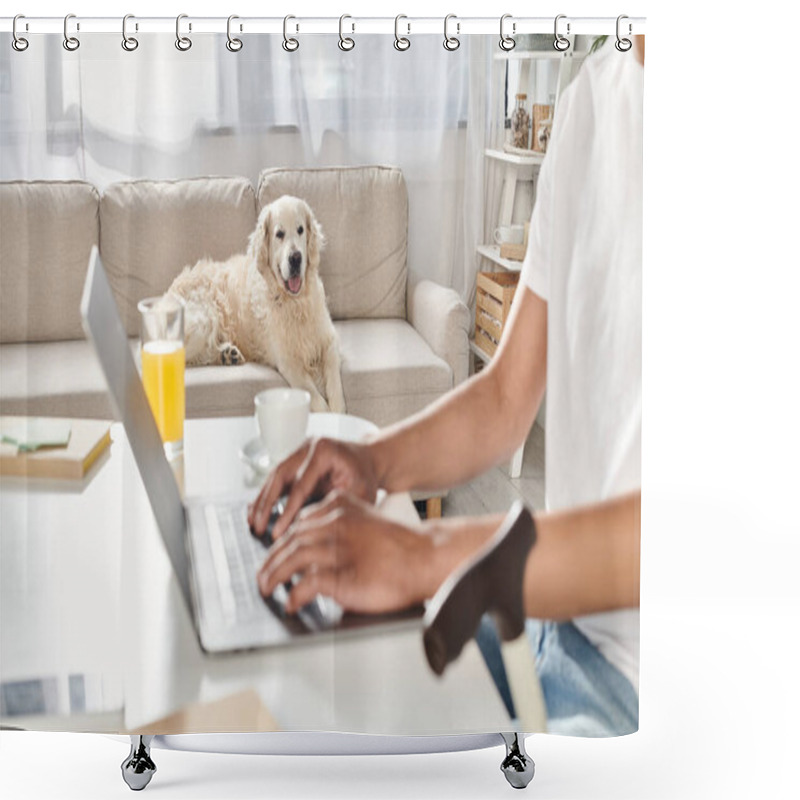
{"type": "Point", "coordinates": [319, 533]}
{"type": "Point", "coordinates": [297, 559]}
{"type": "Point", "coordinates": [270, 492]}
{"type": "Point", "coordinates": [317, 463]}
{"type": "Point", "coordinates": [337, 500]}
{"type": "Point", "coordinates": [317, 530]}
{"type": "Point", "coordinates": [323, 581]}
{"type": "Point", "coordinates": [275, 486]}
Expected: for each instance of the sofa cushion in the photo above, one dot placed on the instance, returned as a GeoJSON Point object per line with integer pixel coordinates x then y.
{"type": "Point", "coordinates": [53, 379]}
{"type": "Point", "coordinates": [47, 230]}
{"type": "Point", "coordinates": [388, 370]}
{"type": "Point", "coordinates": [150, 230]}
{"type": "Point", "coordinates": [363, 212]}
{"type": "Point", "coordinates": [65, 379]}
{"type": "Point", "coordinates": [227, 391]}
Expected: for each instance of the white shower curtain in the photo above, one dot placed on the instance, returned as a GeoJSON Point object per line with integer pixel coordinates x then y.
{"type": "Point", "coordinates": [110, 115]}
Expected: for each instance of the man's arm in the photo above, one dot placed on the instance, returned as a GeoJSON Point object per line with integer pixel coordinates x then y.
{"type": "Point", "coordinates": [585, 560]}
{"type": "Point", "coordinates": [480, 423]}
{"type": "Point", "coordinates": [463, 434]}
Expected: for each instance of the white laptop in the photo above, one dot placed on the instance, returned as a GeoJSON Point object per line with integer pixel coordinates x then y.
{"type": "Point", "coordinates": [213, 554]}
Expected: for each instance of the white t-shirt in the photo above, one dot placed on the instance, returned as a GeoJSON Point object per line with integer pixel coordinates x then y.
{"type": "Point", "coordinates": [585, 259]}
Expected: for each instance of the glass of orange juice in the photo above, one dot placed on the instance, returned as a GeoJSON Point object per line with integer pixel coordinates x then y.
{"type": "Point", "coordinates": [163, 367]}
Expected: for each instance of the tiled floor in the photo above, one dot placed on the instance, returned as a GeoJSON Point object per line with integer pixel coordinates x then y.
{"type": "Point", "coordinates": [495, 491]}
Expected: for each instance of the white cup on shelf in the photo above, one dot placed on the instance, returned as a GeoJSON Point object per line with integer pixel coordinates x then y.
{"type": "Point", "coordinates": [509, 234]}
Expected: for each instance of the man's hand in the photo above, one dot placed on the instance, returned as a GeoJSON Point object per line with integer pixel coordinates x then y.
{"type": "Point", "coordinates": [345, 549]}
{"type": "Point", "coordinates": [319, 467]}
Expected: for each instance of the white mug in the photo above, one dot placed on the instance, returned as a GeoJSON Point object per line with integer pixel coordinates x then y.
{"type": "Point", "coordinates": [282, 416]}
{"type": "Point", "coordinates": [509, 234]}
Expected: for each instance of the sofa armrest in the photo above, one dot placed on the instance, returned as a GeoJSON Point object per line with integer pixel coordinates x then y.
{"type": "Point", "coordinates": [441, 318]}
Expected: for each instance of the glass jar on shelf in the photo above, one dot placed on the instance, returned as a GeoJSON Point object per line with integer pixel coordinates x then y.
{"type": "Point", "coordinates": [520, 123]}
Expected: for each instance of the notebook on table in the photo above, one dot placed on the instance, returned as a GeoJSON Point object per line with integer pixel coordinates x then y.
{"type": "Point", "coordinates": [51, 447]}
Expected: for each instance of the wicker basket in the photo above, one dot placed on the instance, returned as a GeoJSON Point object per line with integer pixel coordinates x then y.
{"type": "Point", "coordinates": [492, 306]}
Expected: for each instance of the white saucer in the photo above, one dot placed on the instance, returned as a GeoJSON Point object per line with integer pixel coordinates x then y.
{"type": "Point", "coordinates": [344, 427]}
{"type": "Point", "coordinates": [254, 454]}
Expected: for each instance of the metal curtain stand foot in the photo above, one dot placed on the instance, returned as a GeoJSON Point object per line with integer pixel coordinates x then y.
{"type": "Point", "coordinates": [517, 766]}
{"type": "Point", "coordinates": [492, 581]}
{"type": "Point", "coordinates": [138, 768]}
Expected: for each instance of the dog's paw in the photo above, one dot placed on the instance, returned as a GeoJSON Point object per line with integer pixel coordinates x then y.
{"type": "Point", "coordinates": [230, 355]}
{"type": "Point", "coordinates": [318, 404]}
{"type": "Point", "coordinates": [338, 406]}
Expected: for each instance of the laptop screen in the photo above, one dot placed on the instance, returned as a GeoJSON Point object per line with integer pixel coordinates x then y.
{"type": "Point", "coordinates": [103, 327]}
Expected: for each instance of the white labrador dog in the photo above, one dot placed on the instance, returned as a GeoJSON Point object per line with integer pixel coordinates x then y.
{"type": "Point", "coordinates": [267, 306]}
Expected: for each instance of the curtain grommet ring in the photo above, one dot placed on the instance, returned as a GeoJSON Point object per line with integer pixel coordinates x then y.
{"type": "Point", "coordinates": [19, 43]}
{"type": "Point", "coordinates": [560, 43]}
{"type": "Point", "coordinates": [71, 43]}
{"type": "Point", "coordinates": [129, 43]}
{"type": "Point", "coordinates": [233, 44]}
{"type": "Point", "coordinates": [451, 43]}
{"type": "Point", "coordinates": [507, 43]}
{"type": "Point", "coordinates": [183, 43]}
{"type": "Point", "coordinates": [401, 43]}
{"type": "Point", "coordinates": [289, 44]}
{"type": "Point", "coordinates": [346, 43]}
{"type": "Point", "coordinates": [623, 44]}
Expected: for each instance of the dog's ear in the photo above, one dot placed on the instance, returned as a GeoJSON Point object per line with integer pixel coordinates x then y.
{"type": "Point", "coordinates": [258, 247]}
{"type": "Point", "coordinates": [315, 239]}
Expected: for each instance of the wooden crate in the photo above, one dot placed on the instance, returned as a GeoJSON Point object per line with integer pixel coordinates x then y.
{"type": "Point", "coordinates": [492, 307]}
{"type": "Point", "coordinates": [513, 252]}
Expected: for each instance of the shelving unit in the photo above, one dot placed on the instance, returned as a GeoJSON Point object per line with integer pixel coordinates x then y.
{"type": "Point", "coordinates": [478, 353]}
{"type": "Point", "coordinates": [532, 159]}
{"type": "Point", "coordinates": [491, 252]}
{"type": "Point", "coordinates": [516, 166]}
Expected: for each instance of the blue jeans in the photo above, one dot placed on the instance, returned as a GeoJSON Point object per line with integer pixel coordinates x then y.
{"type": "Point", "coordinates": [585, 695]}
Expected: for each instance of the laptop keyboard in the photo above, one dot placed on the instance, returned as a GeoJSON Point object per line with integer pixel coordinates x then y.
{"type": "Point", "coordinates": [237, 557]}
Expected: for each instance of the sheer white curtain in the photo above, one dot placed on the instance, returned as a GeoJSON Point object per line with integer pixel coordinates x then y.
{"type": "Point", "coordinates": [101, 114]}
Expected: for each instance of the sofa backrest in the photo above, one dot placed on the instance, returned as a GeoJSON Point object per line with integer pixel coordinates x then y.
{"type": "Point", "coordinates": [363, 212]}
{"type": "Point", "coordinates": [47, 230]}
{"type": "Point", "coordinates": [150, 230]}
{"type": "Point", "coordinates": [147, 231]}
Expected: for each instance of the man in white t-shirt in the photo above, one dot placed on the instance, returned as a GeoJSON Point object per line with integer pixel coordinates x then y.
{"type": "Point", "coordinates": [576, 326]}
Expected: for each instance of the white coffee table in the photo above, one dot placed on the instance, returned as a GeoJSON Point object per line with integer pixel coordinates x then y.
{"type": "Point", "coordinates": [360, 684]}
{"type": "Point", "coordinates": [68, 550]}
{"type": "Point", "coordinates": [92, 617]}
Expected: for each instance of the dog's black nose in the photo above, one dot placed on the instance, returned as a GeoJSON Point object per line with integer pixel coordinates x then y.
{"type": "Point", "coordinates": [295, 260]}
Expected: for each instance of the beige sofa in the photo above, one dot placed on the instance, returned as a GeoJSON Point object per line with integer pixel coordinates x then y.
{"type": "Point", "coordinates": [404, 343]}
